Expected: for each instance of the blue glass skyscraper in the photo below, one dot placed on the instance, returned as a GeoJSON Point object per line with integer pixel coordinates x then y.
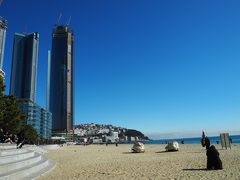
{"type": "Point", "coordinates": [3, 28]}
{"type": "Point", "coordinates": [61, 95]}
{"type": "Point", "coordinates": [24, 66]}
{"type": "Point", "coordinates": [23, 83]}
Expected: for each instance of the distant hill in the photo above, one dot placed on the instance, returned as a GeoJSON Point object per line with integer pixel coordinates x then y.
{"type": "Point", "coordinates": [135, 133]}
{"type": "Point", "coordinates": [101, 129]}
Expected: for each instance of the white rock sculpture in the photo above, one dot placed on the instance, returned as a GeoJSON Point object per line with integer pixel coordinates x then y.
{"type": "Point", "coordinates": [138, 148]}
{"type": "Point", "coordinates": [172, 146]}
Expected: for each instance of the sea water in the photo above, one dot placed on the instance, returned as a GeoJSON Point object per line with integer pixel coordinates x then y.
{"type": "Point", "coordinates": [196, 140]}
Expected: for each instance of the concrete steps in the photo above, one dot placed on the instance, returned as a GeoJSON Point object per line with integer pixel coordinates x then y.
{"type": "Point", "coordinates": [22, 163]}
{"type": "Point", "coordinates": [12, 151]}
{"type": "Point", "coordinates": [16, 157]}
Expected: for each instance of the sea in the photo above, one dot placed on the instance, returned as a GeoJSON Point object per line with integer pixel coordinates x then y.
{"type": "Point", "coordinates": [195, 140]}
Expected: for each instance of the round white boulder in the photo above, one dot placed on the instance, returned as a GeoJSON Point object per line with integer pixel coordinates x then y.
{"type": "Point", "coordinates": [138, 148]}
{"type": "Point", "coordinates": [172, 146]}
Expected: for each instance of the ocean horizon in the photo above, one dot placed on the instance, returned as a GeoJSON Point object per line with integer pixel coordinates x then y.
{"type": "Point", "coordinates": [194, 140]}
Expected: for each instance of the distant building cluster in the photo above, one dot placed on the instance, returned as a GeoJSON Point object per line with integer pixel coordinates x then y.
{"type": "Point", "coordinates": [99, 133]}
{"type": "Point", "coordinates": [57, 118]}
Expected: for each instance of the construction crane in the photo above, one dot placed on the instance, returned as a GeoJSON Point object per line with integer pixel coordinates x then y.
{"type": "Point", "coordinates": [59, 18]}
{"type": "Point", "coordinates": [69, 21]}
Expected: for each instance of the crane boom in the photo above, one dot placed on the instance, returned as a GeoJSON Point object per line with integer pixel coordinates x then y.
{"type": "Point", "coordinates": [69, 21]}
{"type": "Point", "coordinates": [59, 18]}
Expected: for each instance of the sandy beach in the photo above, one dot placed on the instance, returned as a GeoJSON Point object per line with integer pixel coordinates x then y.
{"type": "Point", "coordinates": [111, 162]}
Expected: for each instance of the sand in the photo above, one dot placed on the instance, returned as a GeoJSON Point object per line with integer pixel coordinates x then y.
{"type": "Point", "coordinates": [111, 162]}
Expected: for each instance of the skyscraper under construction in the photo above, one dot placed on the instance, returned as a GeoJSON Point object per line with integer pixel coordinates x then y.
{"type": "Point", "coordinates": [61, 84]}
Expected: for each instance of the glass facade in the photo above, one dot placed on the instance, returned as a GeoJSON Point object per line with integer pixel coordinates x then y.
{"type": "Point", "coordinates": [37, 117]}
{"type": "Point", "coordinates": [3, 28]}
{"type": "Point", "coordinates": [61, 94]}
{"type": "Point", "coordinates": [46, 124]}
{"type": "Point", "coordinates": [24, 66]}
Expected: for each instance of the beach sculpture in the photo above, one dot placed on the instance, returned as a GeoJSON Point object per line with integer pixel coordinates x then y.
{"type": "Point", "coordinates": [138, 148]}
{"type": "Point", "coordinates": [203, 139]}
{"type": "Point", "coordinates": [172, 146]}
{"type": "Point", "coordinates": [213, 160]}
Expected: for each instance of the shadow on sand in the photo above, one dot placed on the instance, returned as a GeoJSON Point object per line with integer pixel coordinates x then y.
{"type": "Point", "coordinates": [193, 169]}
{"type": "Point", "coordinates": [132, 153]}
{"type": "Point", "coordinates": [166, 151]}
{"type": "Point", "coordinates": [128, 153]}
{"type": "Point", "coordinates": [196, 152]}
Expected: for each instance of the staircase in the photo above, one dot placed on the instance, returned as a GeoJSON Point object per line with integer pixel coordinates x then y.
{"type": "Point", "coordinates": [28, 162]}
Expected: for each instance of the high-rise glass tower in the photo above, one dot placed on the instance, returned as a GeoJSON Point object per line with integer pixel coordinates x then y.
{"type": "Point", "coordinates": [61, 95]}
{"type": "Point", "coordinates": [24, 66]}
{"type": "Point", "coordinates": [23, 82]}
{"type": "Point", "coordinates": [3, 28]}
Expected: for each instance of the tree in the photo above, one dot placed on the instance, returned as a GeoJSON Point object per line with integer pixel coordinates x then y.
{"type": "Point", "coordinates": [11, 118]}
{"type": "Point", "coordinates": [29, 133]}
{"type": "Point", "coordinates": [2, 88]}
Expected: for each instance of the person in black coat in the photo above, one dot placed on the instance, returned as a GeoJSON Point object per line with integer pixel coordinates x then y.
{"type": "Point", "coordinates": [213, 160]}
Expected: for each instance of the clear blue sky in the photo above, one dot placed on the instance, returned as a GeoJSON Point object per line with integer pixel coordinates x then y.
{"type": "Point", "coordinates": [163, 67]}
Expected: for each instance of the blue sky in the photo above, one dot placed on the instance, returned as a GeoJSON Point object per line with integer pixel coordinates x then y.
{"type": "Point", "coordinates": [165, 68]}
